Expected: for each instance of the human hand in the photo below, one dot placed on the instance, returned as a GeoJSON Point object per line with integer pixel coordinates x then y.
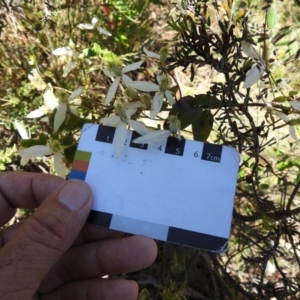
{"type": "Point", "coordinates": [52, 255]}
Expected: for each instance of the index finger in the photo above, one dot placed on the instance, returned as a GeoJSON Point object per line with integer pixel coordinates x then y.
{"type": "Point", "coordinates": [28, 190]}
{"type": "Point", "coordinates": [24, 190]}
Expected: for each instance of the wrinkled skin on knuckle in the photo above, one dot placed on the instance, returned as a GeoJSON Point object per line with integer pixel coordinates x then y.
{"type": "Point", "coordinates": [50, 231]}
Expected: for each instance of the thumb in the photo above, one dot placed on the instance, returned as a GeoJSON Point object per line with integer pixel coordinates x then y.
{"type": "Point", "coordinates": [42, 239]}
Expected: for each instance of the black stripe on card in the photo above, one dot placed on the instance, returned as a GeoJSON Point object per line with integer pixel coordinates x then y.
{"type": "Point", "coordinates": [105, 134]}
{"type": "Point", "coordinates": [175, 146]}
{"type": "Point", "coordinates": [197, 240]}
{"type": "Point", "coordinates": [135, 135]}
{"type": "Point", "coordinates": [99, 218]}
{"type": "Point", "coordinates": [212, 152]}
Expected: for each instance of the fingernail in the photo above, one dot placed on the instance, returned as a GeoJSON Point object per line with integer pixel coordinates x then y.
{"type": "Point", "coordinates": [74, 194]}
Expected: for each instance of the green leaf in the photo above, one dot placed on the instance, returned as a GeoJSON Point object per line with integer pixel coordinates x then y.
{"type": "Point", "coordinates": [109, 56]}
{"type": "Point", "coordinates": [67, 141]}
{"type": "Point", "coordinates": [208, 101]}
{"type": "Point", "coordinates": [271, 16]}
{"type": "Point", "coordinates": [292, 93]}
{"type": "Point", "coordinates": [294, 122]}
{"type": "Point", "coordinates": [186, 111]}
{"type": "Point", "coordinates": [281, 99]}
{"type": "Point", "coordinates": [69, 153]}
{"type": "Point", "coordinates": [203, 126]}
{"type": "Point", "coordinates": [29, 143]}
{"type": "Point", "coordinates": [43, 139]}
{"type": "Point", "coordinates": [240, 14]}
{"type": "Point", "coordinates": [97, 49]}
{"type": "Point", "coordinates": [74, 123]}
{"type": "Point", "coordinates": [86, 53]}
{"type": "Point", "coordinates": [247, 65]}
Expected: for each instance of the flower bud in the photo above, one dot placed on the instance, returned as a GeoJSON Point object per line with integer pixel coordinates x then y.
{"type": "Point", "coordinates": [131, 93]}
{"type": "Point", "coordinates": [164, 84]}
{"type": "Point", "coordinates": [146, 99]}
{"type": "Point", "coordinates": [164, 52]}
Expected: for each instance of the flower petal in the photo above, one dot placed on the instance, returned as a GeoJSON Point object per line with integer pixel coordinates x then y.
{"type": "Point", "coordinates": [44, 119]}
{"type": "Point", "coordinates": [152, 137]}
{"type": "Point", "coordinates": [59, 116]}
{"type": "Point", "coordinates": [139, 127]}
{"type": "Point", "coordinates": [250, 50]}
{"type": "Point", "coordinates": [132, 67]}
{"type": "Point", "coordinates": [62, 51]}
{"type": "Point", "coordinates": [145, 86]}
{"type": "Point", "coordinates": [73, 110]}
{"type": "Point", "coordinates": [111, 121]}
{"type": "Point", "coordinates": [68, 68]}
{"type": "Point", "coordinates": [36, 113]}
{"type": "Point", "coordinates": [282, 116]}
{"type": "Point", "coordinates": [104, 31]}
{"type": "Point", "coordinates": [295, 104]}
{"type": "Point", "coordinates": [253, 76]}
{"type": "Point", "coordinates": [127, 80]}
{"type": "Point", "coordinates": [170, 97]}
{"type": "Point", "coordinates": [22, 131]}
{"type": "Point", "coordinates": [293, 133]}
{"type": "Point", "coordinates": [159, 77]}
{"type": "Point", "coordinates": [151, 54]}
{"type": "Point", "coordinates": [112, 90]}
{"type": "Point", "coordinates": [130, 111]}
{"type": "Point", "coordinates": [59, 165]}
{"type": "Point", "coordinates": [107, 72]}
{"type": "Point", "coordinates": [156, 104]}
{"type": "Point", "coordinates": [36, 151]}
{"type": "Point", "coordinates": [120, 138]}
{"type": "Point", "coordinates": [36, 80]}
{"type": "Point", "coordinates": [24, 160]}
{"type": "Point", "coordinates": [50, 100]}
{"type": "Point", "coordinates": [85, 26]}
{"type": "Point", "coordinates": [94, 20]}
{"type": "Point", "coordinates": [76, 93]}
{"type": "Point", "coordinates": [136, 104]}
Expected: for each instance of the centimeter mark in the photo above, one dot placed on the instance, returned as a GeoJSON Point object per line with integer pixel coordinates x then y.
{"type": "Point", "coordinates": [174, 146]}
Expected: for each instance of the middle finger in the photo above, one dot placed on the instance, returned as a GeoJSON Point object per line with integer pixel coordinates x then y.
{"type": "Point", "coordinates": [93, 260]}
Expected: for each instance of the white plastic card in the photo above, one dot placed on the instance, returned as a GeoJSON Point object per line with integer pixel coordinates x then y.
{"type": "Point", "coordinates": [176, 191]}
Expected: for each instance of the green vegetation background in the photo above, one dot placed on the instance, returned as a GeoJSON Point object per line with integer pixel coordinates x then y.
{"type": "Point", "coordinates": [263, 257]}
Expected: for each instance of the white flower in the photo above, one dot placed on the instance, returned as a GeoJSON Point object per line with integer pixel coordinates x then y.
{"type": "Point", "coordinates": [289, 121]}
{"type": "Point", "coordinates": [116, 71]}
{"type": "Point", "coordinates": [158, 135]}
{"type": "Point", "coordinates": [68, 68]}
{"type": "Point", "coordinates": [22, 131]}
{"type": "Point", "coordinates": [161, 92]}
{"type": "Point", "coordinates": [258, 69]}
{"type": "Point", "coordinates": [162, 56]}
{"type": "Point", "coordinates": [36, 80]}
{"type": "Point", "coordinates": [152, 137]}
{"type": "Point", "coordinates": [250, 51]}
{"type": "Point", "coordinates": [253, 75]}
{"type": "Point", "coordinates": [151, 54]}
{"type": "Point", "coordinates": [121, 120]}
{"type": "Point", "coordinates": [54, 148]}
{"type": "Point", "coordinates": [295, 105]}
{"type": "Point", "coordinates": [92, 26]}
{"type": "Point", "coordinates": [51, 102]}
{"type": "Point", "coordinates": [63, 51]}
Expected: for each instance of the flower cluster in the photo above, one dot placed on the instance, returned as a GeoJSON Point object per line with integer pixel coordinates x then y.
{"type": "Point", "coordinates": [140, 99]}
{"type": "Point", "coordinates": [258, 68]}
{"type": "Point", "coordinates": [137, 96]}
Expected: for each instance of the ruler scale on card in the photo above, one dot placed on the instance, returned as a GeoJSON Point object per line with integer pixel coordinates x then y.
{"type": "Point", "coordinates": [175, 191]}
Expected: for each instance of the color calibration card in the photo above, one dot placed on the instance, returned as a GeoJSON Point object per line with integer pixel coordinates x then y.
{"type": "Point", "coordinates": [175, 191]}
